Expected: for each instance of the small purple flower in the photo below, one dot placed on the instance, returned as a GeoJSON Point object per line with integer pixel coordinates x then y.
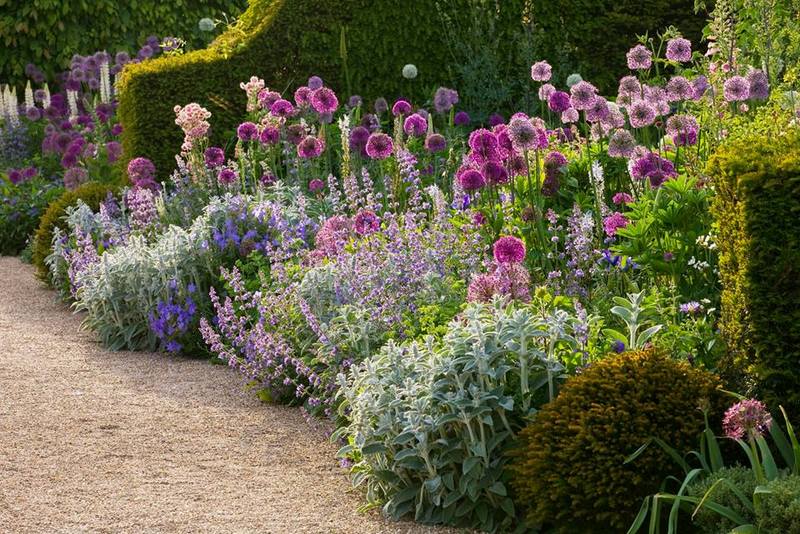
{"type": "Point", "coordinates": [282, 108]}
{"type": "Point", "coordinates": [678, 88]}
{"type": "Point", "coordinates": [270, 135]}
{"type": "Point", "coordinates": [415, 125]}
{"type": "Point", "coordinates": [142, 172]}
{"type": "Point", "coordinates": [380, 105]}
{"type": "Point", "coordinates": [461, 118]}
{"type": "Point", "coordinates": [214, 157]}
{"type": "Point", "coordinates": [494, 172]}
{"type": "Point", "coordinates": [509, 249]}
{"type": "Point", "coordinates": [748, 418]}
{"type": "Point", "coordinates": [315, 82]}
{"type": "Point", "coordinates": [366, 222]}
{"type": "Point", "coordinates": [354, 101]}
{"type": "Point", "coordinates": [614, 222]}
{"type": "Point", "coordinates": [618, 346]}
{"type": "Point", "coordinates": [559, 102]}
{"type": "Point", "coordinates": [621, 144]}
{"type": "Point", "coordinates": [622, 198]}
{"type": "Point", "coordinates": [444, 99]}
{"type": "Point", "coordinates": [546, 91]}
{"type": "Point", "coordinates": [541, 71]}
{"type": "Point", "coordinates": [358, 139]}
{"type": "Point", "coordinates": [470, 179]}
{"type": "Point", "coordinates": [691, 308]}
{"type": "Point", "coordinates": [641, 113]}
{"type": "Point", "coordinates": [679, 49]}
{"type": "Point", "coordinates": [302, 95]}
{"type": "Point", "coordinates": [316, 185]}
{"type": "Point", "coordinates": [379, 146]}
{"type": "Point", "coordinates": [247, 131]}
{"type": "Point", "coordinates": [495, 119]}
{"type": "Point", "coordinates": [582, 95]}
{"type": "Point", "coordinates": [759, 84]}
{"type": "Point", "coordinates": [113, 151]}
{"type": "Point", "coordinates": [639, 58]}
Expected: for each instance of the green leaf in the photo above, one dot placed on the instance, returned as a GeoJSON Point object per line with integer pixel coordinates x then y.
{"type": "Point", "coordinates": [498, 488]}
{"type": "Point", "coordinates": [470, 464]}
{"type": "Point", "coordinates": [767, 460]}
{"type": "Point", "coordinates": [373, 448]}
{"type": "Point", "coordinates": [640, 517]}
{"type": "Point", "coordinates": [637, 452]}
{"type": "Point", "coordinates": [714, 453]}
{"type": "Point", "coordinates": [403, 438]}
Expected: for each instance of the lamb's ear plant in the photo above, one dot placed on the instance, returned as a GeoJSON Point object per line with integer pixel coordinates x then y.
{"type": "Point", "coordinates": [634, 312]}
{"type": "Point", "coordinates": [746, 422]}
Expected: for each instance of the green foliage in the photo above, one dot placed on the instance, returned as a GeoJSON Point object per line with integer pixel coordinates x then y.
{"type": "Point", "coordinates": [568, 470]}
{"type": "Point", "coordinates": [91, 194]}
{"type": "Point", "coordinates": [284, 43]}
{"type": "Point", "coordinates": [742, 479]}
{"type": "Point", "coordinates": [49, 32]}
{"type": "Point", "coordinates": [780, 507]}
{"type": "Point", "coordinates": [591, 37]}
{"type": "Point", "coordinates": [21, 206]}
{"type": "Point", "coordinates": [757, 181]}
{"type": "Point", "coordinates": [430, 423]}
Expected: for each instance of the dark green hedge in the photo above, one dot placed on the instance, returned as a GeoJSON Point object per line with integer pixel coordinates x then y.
{"type": "Point", "coordinates": [49, 32]}
{"type": "Point", "coordinates": [284, 42]}
{"type": "Point", "coordinates": [757, 207]}
{"type": "Point", "coordinates": [592, 36]}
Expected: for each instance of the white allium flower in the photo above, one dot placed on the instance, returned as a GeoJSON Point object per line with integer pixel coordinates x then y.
{"type": "Point", "coordinates": [573, 79]}
{"type": "Point", "coordinates": [410, 71]}
{"type": "Point", "coordinates": [206, 24]}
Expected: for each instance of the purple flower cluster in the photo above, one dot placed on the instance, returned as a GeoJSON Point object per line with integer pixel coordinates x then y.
{"type": "Point", "coordinates": [654, 168]}
{"type": "Point", "coordinates": [748, 418]}
{"type": "Point", "coordinates": [175, 317]}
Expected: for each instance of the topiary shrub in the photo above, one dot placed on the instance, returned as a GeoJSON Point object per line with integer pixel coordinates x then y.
{"type": "Point", "coordinates": [711, 522]}
{"type": "Point", "coordinates": [352, 44]}
{"type": "Point", "coordinates": [757, 180]}
{"type": "Point", "coordinates": [91, 194]}
{"type": "Point", "coordinates": [48, 32]}
{"type": "Point", "coordinates": [568, 471]}
{"type": "Point", "coordinates": [779, 511]}
{"type": "Point", "coordinates": [591, 37]}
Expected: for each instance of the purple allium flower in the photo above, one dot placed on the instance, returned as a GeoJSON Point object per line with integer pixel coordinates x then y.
{"type": "Point", "coordinates": [371, 122]}
{"type": "Point", "coordinates": [310, 147]}
{"type": "Point", "coordinates": [316, 185]}
{"type": "Point", "coordinates": [302, 95]}
{"type": "Point", "coordinates": [484, 145]}
{"type": "Point", "coordinates": [401, 107]}
{"type": "Point", "coordinates": [333, 235]}
{"type": "Point", "coordinates": [614, 222]}
{"type": "Point", "coordinates": [541, 71]}
{"type": "Point", "coordinates": [435, 143]}
{"type": "Point", "coordinates": [653, 167]}
{"type": "Point", "coordinates": [33, 114]}
{"type": "Point", "coordinates": [470, 179]}
{"type": "Point", "coordinates": [282, 108]}
{"type": "Point", "coordinates": [227, 176]}
{"type": "Point", "coordinates": [495, 119]}
{"type": "Point", "coordinates": [354, 101]}
{"type": "Point", "coordinates": [214, 157]}
{"type": "Point", "coordinates": [142, 172]}
{"type": "Point", "coordinates": [122, 57]}
{"type": "Point", "coordinates": [569, 115]}
{"type": "Point", "coordinates": [509, 249]}
{"type": "Point", "coordinates": [546, 91]}
{"type": "Point", "coordinates": [380, 106]}
{"type": "Point", "coordinates": [74, 177]}
{"type": "Point", "coordinates": [559, 102]}
{"type": "Point", "coordinates": [415, 125]}
{"type": "Point", "coordinates": [759, 84]}
{"type": "Point", "coordinates": [678, 88]}
{"type": "Point", "coordinates": [618, 346]}
{"type": "Point", "coordinates": [554, 163]}
{"type": "Point", "coordinates": [691, 308]}
{"type": "Point", "coordinates": [247, 131]}
{"type": "Point", "coordinates": [146, 52]}
{"type": "Point", "coordinates": [639, 58]}
{"type": "Point", "coordinates": [523, 134]}
{"type": "Point", "coordinates": [444, 99]}
{"type": "Point", "coordinates": [324, 100]}
{"type": "Point", "coordinates": [15, 176]}
{"type": "Point", "coordinates": [116, 130]}
{"type": "Point", "coordinates": [748, 418]}
{"type": "Point", "coordinates": [478, 218]}
{"type": "Point", "coordinates": [270, 135]}
{"type": "Point", "coordinates": [366, 222]}
{"type": "Point", "coordinates": [266, 98]}
{"type": "Point", "coordinates": [113, 151]}
{"type": "Point", "coordinates": [29, 172]}
{"type": "Point", "coordinates": [315, 82]}
{"type": "Point", "coordinates": [379, 146]}
{"type": "Point", "coordinates": [582, 95]}
{"type": "Point", "coordinates": [494, 172]}
{"type": "Point", "coordinates": [621, 144]}
{"type": "Point", "coordinates": [598, 111]}
{"type": "Point", "coordinates": [621, 198]}
{"type": "Point", "coordinates": [461, 118]}
{"type": "Point", "coordinates": [679, 49]}
{"type": "Point", "coordinates": [629, 87]}
{"type": "Point", "coordinates": [641, 114]}
{"type": "Point", "coordinates": [295, 133]}
{"type": "Point", "coordinates": [699, 87]}
{"type": "Point", "coordinates": [736, 89]}
{"type": "Point", "coordinates": [358, 139]}
{"type": "Point", "coordinates": [482, 288]}
{"type": "Point", "coordinates": [680, 126]}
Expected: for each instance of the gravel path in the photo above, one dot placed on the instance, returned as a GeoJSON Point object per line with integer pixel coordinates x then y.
{"type": "Point", "coordinates": [95, 441]}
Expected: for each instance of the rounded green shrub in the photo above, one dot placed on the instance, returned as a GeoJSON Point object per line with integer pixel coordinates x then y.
{"type": "Point", "coordinates": [779, 512]}
{"type": "Point", "coordinates": [92, 194]}
{"type": "Point", "coordinates": [711, 522]}
{"type": "Point", "coordinates": [757, 201]}
{"type": "Point", "coordinates": [568, 470]}
{"type": "Point", "coordinates": [48, 32]}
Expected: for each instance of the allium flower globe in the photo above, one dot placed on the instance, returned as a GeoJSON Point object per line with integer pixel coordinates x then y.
{"type": "Point", "coordinates": [748, 418]}
{"type": "Point", "coordinates": [379, 146]}
{"type": "Point", "coordinates": [315, 82]}
{"type": "Point", "coordinates": [214, 157]}
{"type": "Point", "coordinates": [559, 102]}
{"type": "Point", "coordinates": [141, 172]}
{"type": "Point", "coordinates": [545, 91]}
{"type": "Point", "coordinates": [759, 85]}
{"type": "Point", "coordinates": [582, 95]}
{"type": "Point", "coordinates": [366, 222]}
{"type": "Point", "coordinates": [509, 249]}
{"type": "Point", "coordinates": [736, 89]}
{"type": "Point", "coordinates": [679, 49]}
{"type": "Point", "coordinates": [415, 125]}
{"type": "Point", "coordinates": [247, 131]}
{"type": "Point", "coordinates": [282, 108]}
{"type": "Point", "coordinates": [461, 118]}
{"type": "Point", "coordinates": [310, 147]}
{"type": "Point", "coordinates": [410, 71]}
{"type": "Point", "coordinates": [621, 144]}
{"type": "Point", "coordinates": [639, 58]}
{"type": "Point", "coordinates": [470, 179]}
{"type": "Point", "coordinates": [641, 114]}
{"type": "Point", "coordinates": [613, 223]}
{"type": "Point", "coordinates": [316, 185]}
{"type": "Point", "coordinates": [541, 71]}
{"type": "Point", "coordinates": [227, 176]}
{"type": "Point", "coordinates": [401, 107]}
{"type": "Point", "coordinates": [435, 143]}
{"type": "Point", "coordinates": [573, 79]}
{"type": "Point", "coordinates": [324, 100]}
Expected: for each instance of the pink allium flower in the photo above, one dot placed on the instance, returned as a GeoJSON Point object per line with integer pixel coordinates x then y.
{"type": "Point", "coordinates": [333, 235]}
{"type": "Point", "coordinates": [470, 179]}
{"type": "Point", "coordinates": [310, 147]}
{"type": "Point", "coordinates": [759, 84]}
{"type": "Point", "coordinates": [366, 222]}
{"type": "Point", "coordinates": [622, 198]}
{"type": "Point", "coordinates": [324, 100]}
{"type": "Point", "coordinates": [379, 146]}
{"type": "Point", "coordinates": [736, 89]}
{"type": "Point", "coordinates": [482, 288]}
{"type": "Point", "coordinates": [141, 172]}
{"type": "Point", "coordinates": [641, 113]}
{"type": "Point", "coordinates": [541, 71]}
{"type": "Point", "coordinates": [558, 102]}
{"type": "Point", "coordinates": [582, 95]}
{"type": "Point", "coordinates": [621, 144]}
{"type": "Point", "coordinates": [302, 96]}
{"type": "Point", "coordinates": [678, 88]}
{"type": "Point", "coordinates": [746, 418]}
{"type": "Point", "coordinates": [679, 49]}
{"type": "Point", "coordinates": [214, 157]}
{"type": "Point", "coordinates": [614, 222]}
{"type": "Point", "coordinates": [282, 108]}
{"type": "Point", "coordinates": [461, 118]}
{"type": "Point", "coordinates": [247, 131]}
{"type": "Point", "coordinates": [509, 249]}
{"type": "Point", "coordinates": [435, 143]}
{"type": "Point", "coordinates": [494, 172]}
{"type": "Point", "coordinates": [227, 176]}
{"type": "Point", "coordinates": [401, 107]}
{"type": "Point", "coordinates": [270, 135]}
{"type": "Point", "coordinates": [415, 125]}
{"type": "Point", "coordinates": [639, 58]}
{"type": "Point", "coordinates": [545, 91]}
{"type": "Point", "coordinates": [316, 185]}
{"type": "Point", "coordinates": [569, 115]}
